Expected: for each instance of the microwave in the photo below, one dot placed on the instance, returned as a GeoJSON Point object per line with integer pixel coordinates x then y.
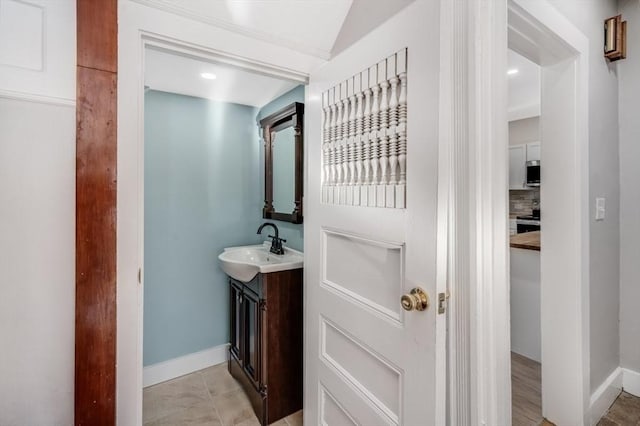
{"type": "Point", "coordinates": [533, 173]}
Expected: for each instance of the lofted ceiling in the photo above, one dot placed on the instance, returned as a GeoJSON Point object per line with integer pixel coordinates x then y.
{"type": "Point", "coordinates": [524, 87]}
{"type": "Point", "coordinates": [169, 72]}
{"type": "Point", "coordinates": [321, 28]}
{"type": "Point", "coordinates": [309, 26]}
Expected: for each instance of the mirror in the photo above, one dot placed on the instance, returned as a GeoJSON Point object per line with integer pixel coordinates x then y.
{"type": "Point", "coordinates": [282, 134]}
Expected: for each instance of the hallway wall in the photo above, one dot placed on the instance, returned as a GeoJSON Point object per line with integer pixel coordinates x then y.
{"type": "Point", "coordinates": [37, 211]}
{"type": "Point", "coordinates": [629, 105]}
{"type": "Point", "coordinates": [588, 16]}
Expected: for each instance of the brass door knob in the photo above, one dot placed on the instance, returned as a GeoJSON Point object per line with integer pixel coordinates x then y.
{"type": "Point", "coordinates": [417, 300]}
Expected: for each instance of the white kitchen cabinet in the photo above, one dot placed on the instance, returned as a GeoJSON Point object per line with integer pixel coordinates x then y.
{"type": "Point", "coordinates": [533, 151]}
{"type": "Point", "coordinates": [525, 303]}
{"type": "Point", "coordinates": [517, 166]}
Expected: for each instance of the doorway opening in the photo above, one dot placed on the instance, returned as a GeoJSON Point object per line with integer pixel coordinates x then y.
{"type": "Point", "coordinates": [525, 228]}
{"type": "Point", "coordinates": [549, 286]}
{"type": "Point", "coordinates": [203, 186]}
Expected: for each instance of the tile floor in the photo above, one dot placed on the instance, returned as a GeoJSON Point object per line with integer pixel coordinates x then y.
{"type": "Point", "coordinates": [209, 397]}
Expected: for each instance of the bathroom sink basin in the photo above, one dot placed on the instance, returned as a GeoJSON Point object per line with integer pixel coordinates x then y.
{"type": "Point", "coordinates": [244, 263]}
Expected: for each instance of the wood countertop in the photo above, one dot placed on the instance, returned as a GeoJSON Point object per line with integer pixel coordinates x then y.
{"type": "Point", "coordinates": [527, 241]}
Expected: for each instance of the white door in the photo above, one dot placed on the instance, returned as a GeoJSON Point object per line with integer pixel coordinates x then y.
{"type": "Point", "coordinates": [371, 226]}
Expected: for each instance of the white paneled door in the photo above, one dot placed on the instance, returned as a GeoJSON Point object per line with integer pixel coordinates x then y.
{"type": "Point", "coordinates": [371, 230]}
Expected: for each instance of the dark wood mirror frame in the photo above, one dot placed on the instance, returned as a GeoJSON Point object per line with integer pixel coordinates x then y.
{"type": "Point", "coordinates": [289, 116]}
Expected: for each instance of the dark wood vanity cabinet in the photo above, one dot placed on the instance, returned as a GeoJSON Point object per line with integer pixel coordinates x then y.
{"type": "Point", "coordinates": [265, 354]}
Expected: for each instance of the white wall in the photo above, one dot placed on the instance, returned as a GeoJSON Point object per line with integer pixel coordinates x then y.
{"type": "Point", "coordinates": [588, 16]}
{"type": "Point", "coordinates": [629, 105]}
{"type": "Point", "coordinates": [37, 212]}
{"type": "Point", "coordinates": [524, 131]}
{"type": "Point", "coordinates": [363, 17]}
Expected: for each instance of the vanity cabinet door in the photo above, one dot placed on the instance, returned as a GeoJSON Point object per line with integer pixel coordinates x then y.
{"type": "Point", "coordinates": [236, 320]}
{"type": "Point", "coordinates": [251, 354]}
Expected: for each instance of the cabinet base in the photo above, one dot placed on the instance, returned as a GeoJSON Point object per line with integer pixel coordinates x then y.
{"type": "Point", "coordinates": [257, 398]}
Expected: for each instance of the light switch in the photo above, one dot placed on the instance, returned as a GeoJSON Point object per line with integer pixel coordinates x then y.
{"type": "Point", "coordinates": [600, 208]}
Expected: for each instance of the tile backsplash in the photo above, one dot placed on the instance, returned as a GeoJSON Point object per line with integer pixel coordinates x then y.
{"type": "Point", "coordinates": [521, 201]}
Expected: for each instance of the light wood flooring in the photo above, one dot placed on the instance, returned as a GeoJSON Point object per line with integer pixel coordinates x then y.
{"type": "Point", "coordinates": [624, 412]}
{"type": "Point", "coordinates": [526, 392]}
{"type": "Point", "coordinates": [526, 397]}
{"type": "Point", "coordinates": [209, 397]}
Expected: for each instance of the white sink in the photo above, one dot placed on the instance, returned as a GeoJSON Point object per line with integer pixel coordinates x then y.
{"type": "Point", "coordinates": [244, 263]}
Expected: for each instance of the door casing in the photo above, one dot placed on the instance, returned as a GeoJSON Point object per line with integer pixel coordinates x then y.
{"type": "Point", "coordinates": [541, 33]}
{"type": "Point", "coordinates": [140, 27]}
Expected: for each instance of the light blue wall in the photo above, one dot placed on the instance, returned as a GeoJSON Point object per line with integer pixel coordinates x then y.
{"type": "Point", "coordinates": [294, 234]}
{"type": "Point", "coordinates": [202, 193]}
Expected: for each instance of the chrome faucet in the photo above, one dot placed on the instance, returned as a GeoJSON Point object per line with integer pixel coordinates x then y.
{"type": "Point", "coordinates": [276, 241]}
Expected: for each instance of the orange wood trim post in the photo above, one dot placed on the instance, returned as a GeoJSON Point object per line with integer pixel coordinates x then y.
{"type": "Point", "coordinates": [95, 350]}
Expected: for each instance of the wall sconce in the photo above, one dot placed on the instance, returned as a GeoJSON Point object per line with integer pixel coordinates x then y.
{"type": "Point", "coordinates": [615, 38]}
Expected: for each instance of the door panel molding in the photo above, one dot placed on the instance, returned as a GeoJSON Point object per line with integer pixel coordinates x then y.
{"type": "Point", "coordinates": [355, 282]}
{"type": "Point", "coordinates": [330, 354]}
{"type": "Point", "coordinates": [338, 415]}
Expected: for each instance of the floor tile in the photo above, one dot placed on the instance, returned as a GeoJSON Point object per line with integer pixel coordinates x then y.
{"type": "Point", "coordinates": [209, 397]}
{"type": "Point", "coordinates": [201, 414]}
{"type": "Point", "coordinates": [249, 422]}
{"type": "Point", "coordinates": [171, 397]}
{"type": "Point", "coordinates": [234, 408]}
{"type": "Point", "coordinates": [294, 419]}
{"type": "Point", "coordinates": [218, 380]}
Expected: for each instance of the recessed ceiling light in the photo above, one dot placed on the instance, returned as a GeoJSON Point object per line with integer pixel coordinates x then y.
{"type": "Point", "coordinates": [208, 76]}
{"type": "Point", "coordinates": [512, 71]}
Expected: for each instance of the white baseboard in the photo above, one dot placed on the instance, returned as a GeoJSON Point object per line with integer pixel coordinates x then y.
{"type": "Point", "coordinates": [176, 367]}
{"type": "Point", "coordinates": [605, 395]}
{"type": "Point", "coordinates": [631, 381]}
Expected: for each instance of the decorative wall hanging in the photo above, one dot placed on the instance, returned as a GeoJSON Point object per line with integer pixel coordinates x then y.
{"type": "Point", "coordinates": [364, 153]}
{"type": "Point", "coordinates": [615, 38]}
